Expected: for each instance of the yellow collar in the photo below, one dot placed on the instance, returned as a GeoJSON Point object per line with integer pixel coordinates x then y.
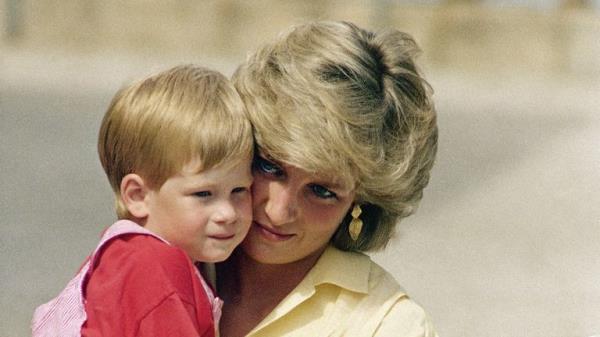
{"type": "Point", "coordinates": [344, 269]}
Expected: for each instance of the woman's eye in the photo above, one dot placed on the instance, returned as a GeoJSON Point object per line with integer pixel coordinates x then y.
{"type": "Point", "coordinates": [322, 192]}
{"type": "Point", "coordinates": [203, 194]}
{"type": "Point", "coordinates": [267, 167]}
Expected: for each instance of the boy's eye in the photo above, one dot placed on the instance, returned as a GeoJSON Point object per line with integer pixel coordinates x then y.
{"type": "Point", "coordinates": [203, 194]}
{"type": "Point", "coordinates": [322, 192]}
{"type": "Point", "coordinates": [239, 190]}
{"type": "Point", "coordinates": [267, 167]}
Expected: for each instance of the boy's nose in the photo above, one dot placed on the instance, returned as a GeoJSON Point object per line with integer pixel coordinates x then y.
{"type": "Point", "coordinates": [226, 212]}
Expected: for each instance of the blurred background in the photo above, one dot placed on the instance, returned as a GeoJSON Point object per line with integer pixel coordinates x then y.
{"type": "Point", "coordinates": [506, 241]}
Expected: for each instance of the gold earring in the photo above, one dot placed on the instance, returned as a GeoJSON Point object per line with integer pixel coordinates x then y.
{"type": "Point", "coordinates": [356, 224]}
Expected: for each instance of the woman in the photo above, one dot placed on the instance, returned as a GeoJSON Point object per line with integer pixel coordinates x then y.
{"type": "Point", "coordinates": [346, 135]}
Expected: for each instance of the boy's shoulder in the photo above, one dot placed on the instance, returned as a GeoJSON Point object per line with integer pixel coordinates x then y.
{"type": "Point", "coordinates": [143, 262]}
{"type": "Point", "coordinates": [140, 246]}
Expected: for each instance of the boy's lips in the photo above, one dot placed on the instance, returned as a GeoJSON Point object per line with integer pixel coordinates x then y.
{"type": "Point", "coordinates": [270, 233]}
{"type": "Point", "coordinates": [222, 236]}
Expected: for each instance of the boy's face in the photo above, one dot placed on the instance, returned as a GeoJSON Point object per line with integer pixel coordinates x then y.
{"type": "Point", "coordinates": [207, 214]}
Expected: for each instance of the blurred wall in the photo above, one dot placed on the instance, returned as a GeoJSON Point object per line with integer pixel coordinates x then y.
{"type": "Point", "coordinates": [468, 35]}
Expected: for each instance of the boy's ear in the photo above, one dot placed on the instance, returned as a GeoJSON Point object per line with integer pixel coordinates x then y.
{"type": "Point", "coordinates": [133, 193]}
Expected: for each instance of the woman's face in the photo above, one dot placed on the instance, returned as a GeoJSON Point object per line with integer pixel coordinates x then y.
{"type": "Point", "coordinates": [295, 212]}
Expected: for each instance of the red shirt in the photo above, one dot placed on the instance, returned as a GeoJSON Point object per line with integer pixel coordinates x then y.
{"type": "Point", "coordinates": [140, 286]}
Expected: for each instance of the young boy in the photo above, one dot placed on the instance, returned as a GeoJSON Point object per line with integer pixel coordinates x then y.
{"type": "Point", "coordinates": [176, 148]}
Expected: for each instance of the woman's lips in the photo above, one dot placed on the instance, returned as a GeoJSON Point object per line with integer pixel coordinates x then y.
{"type": "Point", "coordinates": [271, 234]}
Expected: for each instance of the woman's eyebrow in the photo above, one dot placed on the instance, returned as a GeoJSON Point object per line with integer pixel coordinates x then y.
{"type": "Point", "coordinates": [268, 157]}
{"type": "Point", "coordinates": [335, 184]}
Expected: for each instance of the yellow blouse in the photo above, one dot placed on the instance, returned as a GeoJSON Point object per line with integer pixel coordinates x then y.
{"type": "Point", "coordinates": [346, 294]}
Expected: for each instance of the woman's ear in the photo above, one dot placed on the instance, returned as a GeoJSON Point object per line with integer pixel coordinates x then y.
{"type": "Point", "coordinates": [133, 193]}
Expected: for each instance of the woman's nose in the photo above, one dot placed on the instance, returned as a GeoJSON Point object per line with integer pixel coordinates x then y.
{"type": "Point", "coordinates": [282, 203]}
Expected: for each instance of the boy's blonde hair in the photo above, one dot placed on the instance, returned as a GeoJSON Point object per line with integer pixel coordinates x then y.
{"type": "Point", "coordinates": [158, 125]}
{"type": "Point", "coordinates": [337, 100]}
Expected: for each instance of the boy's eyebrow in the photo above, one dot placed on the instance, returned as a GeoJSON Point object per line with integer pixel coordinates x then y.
{"type": "Point", "coordinates": [200, 185]}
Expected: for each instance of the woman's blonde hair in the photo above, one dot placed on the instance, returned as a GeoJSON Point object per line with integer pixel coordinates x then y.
{"type": "Point", "coordinates": [158, 125]}
{"type": "Point", "coordinates": [334, 99]}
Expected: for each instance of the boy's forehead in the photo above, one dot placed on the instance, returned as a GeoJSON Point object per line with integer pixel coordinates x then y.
{"type": "Point", "coordinates": [192, 166]}
{"type": "Point", "coordinates": [195, 165]}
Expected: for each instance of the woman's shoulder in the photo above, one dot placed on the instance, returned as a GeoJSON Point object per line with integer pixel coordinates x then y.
{"type": "Point", "coordinates": [355, 271]}
{"type": "Point", "coordinates": [380, 304]}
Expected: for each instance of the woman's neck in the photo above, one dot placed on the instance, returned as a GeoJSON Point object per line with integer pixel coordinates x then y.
{"type": "Point", "coordinates": [244, 277]}
{"type": "Point", "coordinates": [251, 290]}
